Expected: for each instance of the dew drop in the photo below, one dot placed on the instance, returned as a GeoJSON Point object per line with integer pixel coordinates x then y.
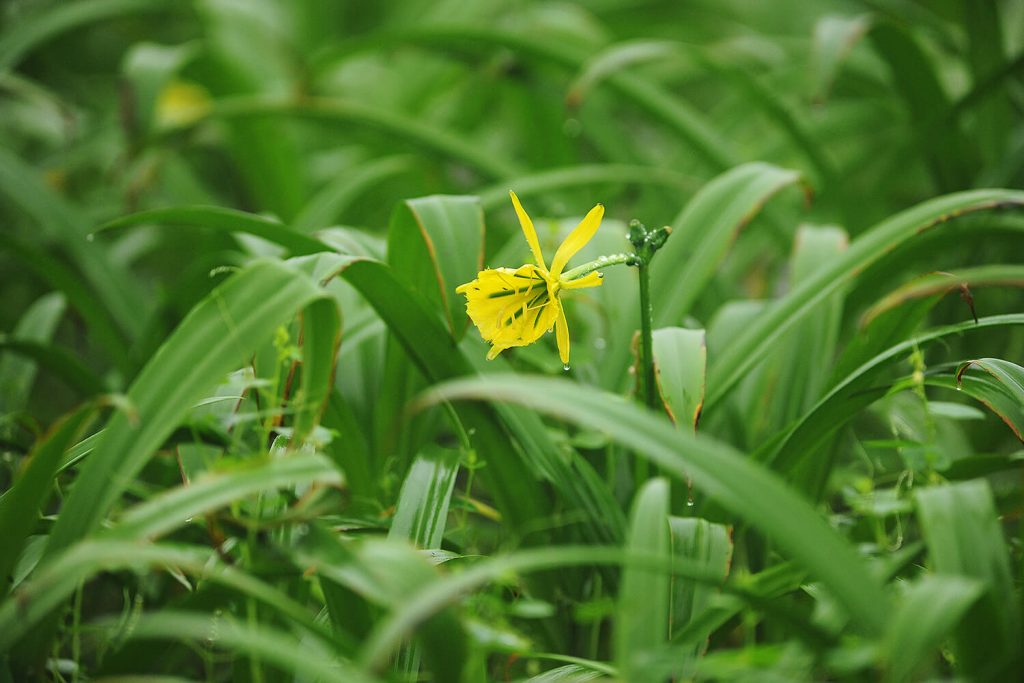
{"type": "Point", "coordinates": [600, 343]}
{"type": "Point", "coordinates": [689, 503]}
{"type": "Point", "coordinates": [566, 367]}
{"type": "Point", "coordinates": [90, 237]}
{"type": "Point", "coordinates": [959, 388]}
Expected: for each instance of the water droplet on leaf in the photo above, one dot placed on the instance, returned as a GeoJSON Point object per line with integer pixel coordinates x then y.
{"type": "Point", "coordinates": [566, 367]}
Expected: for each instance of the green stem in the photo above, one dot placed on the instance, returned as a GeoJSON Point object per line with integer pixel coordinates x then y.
{"type": "Point", "coordinates": [599, 263]}
{"type": "Point", "coordinates": [648, 386]}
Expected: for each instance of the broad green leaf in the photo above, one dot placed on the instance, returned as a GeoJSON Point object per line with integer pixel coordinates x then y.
{"type": "Point", "coordinates": [964, 537]}
{"type": "Point", "coordinates": [716, 470]}
{"type": "Point", "coordinates": [927, 613]}
{"type": "Point", "coordinates": [21, 505]}
{"type": "Point", "coordinates": [703, 232]}
{"type": "Point", "coordinates": [756, 341]}
{"type": "Point", "coordinates": [422, 509]}
{"type": "Point", "coordinates": [1009, 375]}
{"type": "Point", "coordinates": [642, 616]}
{"type": "Point", "coordinates": [680, 358]}
{"type": "Point", "coordinates": [436, 244]}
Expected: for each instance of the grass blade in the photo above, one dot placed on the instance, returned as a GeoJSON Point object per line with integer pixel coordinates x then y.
{"type": "Point", "coordinates": [756, 340]}
{"type": "Point", "coordinates": [17, 375]}
{"type": "Point", "coordinates": [703, 233]}
{"type": "Point", "coordinates": [422, 508]}
{"type": "Point", "coordinates": [961, 528]}
{"type": "Point", "coordinates": [642, 615]}
{"type": "Point", "coordinates": [715, 469]}
{"type": "Point", "coordinates": [927, 613]}
{"type": "Point", "coordinates": [21, 505]}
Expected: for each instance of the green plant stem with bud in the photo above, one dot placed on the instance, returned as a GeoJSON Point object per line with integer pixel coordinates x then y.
{"type": "Point", "coordinates": [645, 244]}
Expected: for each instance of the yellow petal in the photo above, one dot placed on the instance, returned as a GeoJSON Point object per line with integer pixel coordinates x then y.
{"type": "Point", "coordinates": [590, 280]}
{"type": "Point", "coordinates": [562, 335]}
{"type": "Point", "coordinates": [509, 307]}
{"type": "Point", "coordinates": [580, 235]}
{"type": "Point", "coordinates": [531, 234]}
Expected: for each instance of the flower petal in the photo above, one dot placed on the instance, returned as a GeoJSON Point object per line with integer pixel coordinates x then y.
{"type": "Point", "coordinates": [510, 307]}
{"type": "Point", "coordinates": [590, 280]}
{"type": "Point", "coordinates": [528, 231]}
{"type": "Point", "coordinates": [580, 235]}
{"type": "Point", "coordinates": [562, 335]}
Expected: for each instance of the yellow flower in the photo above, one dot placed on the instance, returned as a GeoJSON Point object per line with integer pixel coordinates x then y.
{"type": "Point", "coordinates": [515, 307]}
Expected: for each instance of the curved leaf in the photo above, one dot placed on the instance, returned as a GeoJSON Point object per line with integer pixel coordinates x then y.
{"type": "Point", "coordinates": [717, 470]}
{"type": "Point", "coordinates": [755, 341]}
{"type": "Point", "coordinates": [703, 232]}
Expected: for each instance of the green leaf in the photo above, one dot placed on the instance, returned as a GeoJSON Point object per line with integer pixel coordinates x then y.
{"type": "Point", "coordinates": [855, 392]}
{"type": "Point", "coordinates": [680, 359]}
{"type": "Point", "coordinates": [321, 336]}
{"type": "Point", "coordinates": [28, 33]}
{"type": "Point", "coordinates": [54, 583]}
{"type": "Point", "coordinates": [348, 112]}
{"type": "Point", "coordinates": [22, 504]}
{"type": "Point", "coordinates": [436, 244]}
{"type": "Point", "coordinates": [703, 233]}
{"type": "Point", "coordinates": [916, 81]}
{"type": "Point", "coordinates": [716, 470]}
{"type": "Point", "coordinates": [642, 616]}
{"type": "Point", "coordinates": [215, 338]}
{"type": "Point", "coordinates": [327, 205]}
{"type": "Point", "coordinates": [583, 175]}
{"type": "Point", "coordinates": [961, 528]}
{"type": "Point", "coordinates": [796, 374]}
{"type": "Point", "coordinates": [227, 220]}
{"type": "Point", "coordinates": [59, 222]}
{"type": "Point", "coordinates": [17, 375]}
{"type": "Point", "coordinates": [422, 509]}
{"type": "Point", "coordinates": [303, 659]}
{"type": "Point", "coordinates": [212, 490]}
{"type": "Point", "coordinates": [59, 361]}
{"type": "Point", "coordinates": [703, 542]}
{"type": "Point", "coordinates": [756, 341]}
{"type": "Point", "coordinates": [926, 614]}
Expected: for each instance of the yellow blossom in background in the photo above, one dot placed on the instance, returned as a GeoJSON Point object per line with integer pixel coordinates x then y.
{"type": "Point", "coordinates": [516, 307]}
{"type": "Point", "coordinates": [181, 103]}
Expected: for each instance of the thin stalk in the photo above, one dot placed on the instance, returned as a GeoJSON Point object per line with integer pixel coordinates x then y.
{"type": "Point", "coordinates": [599, 263]}
{"type": "Point", "coordinates": [648, 388]}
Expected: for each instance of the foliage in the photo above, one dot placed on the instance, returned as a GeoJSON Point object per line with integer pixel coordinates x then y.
{"type": "Point", "coordinates": [247, 431]}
